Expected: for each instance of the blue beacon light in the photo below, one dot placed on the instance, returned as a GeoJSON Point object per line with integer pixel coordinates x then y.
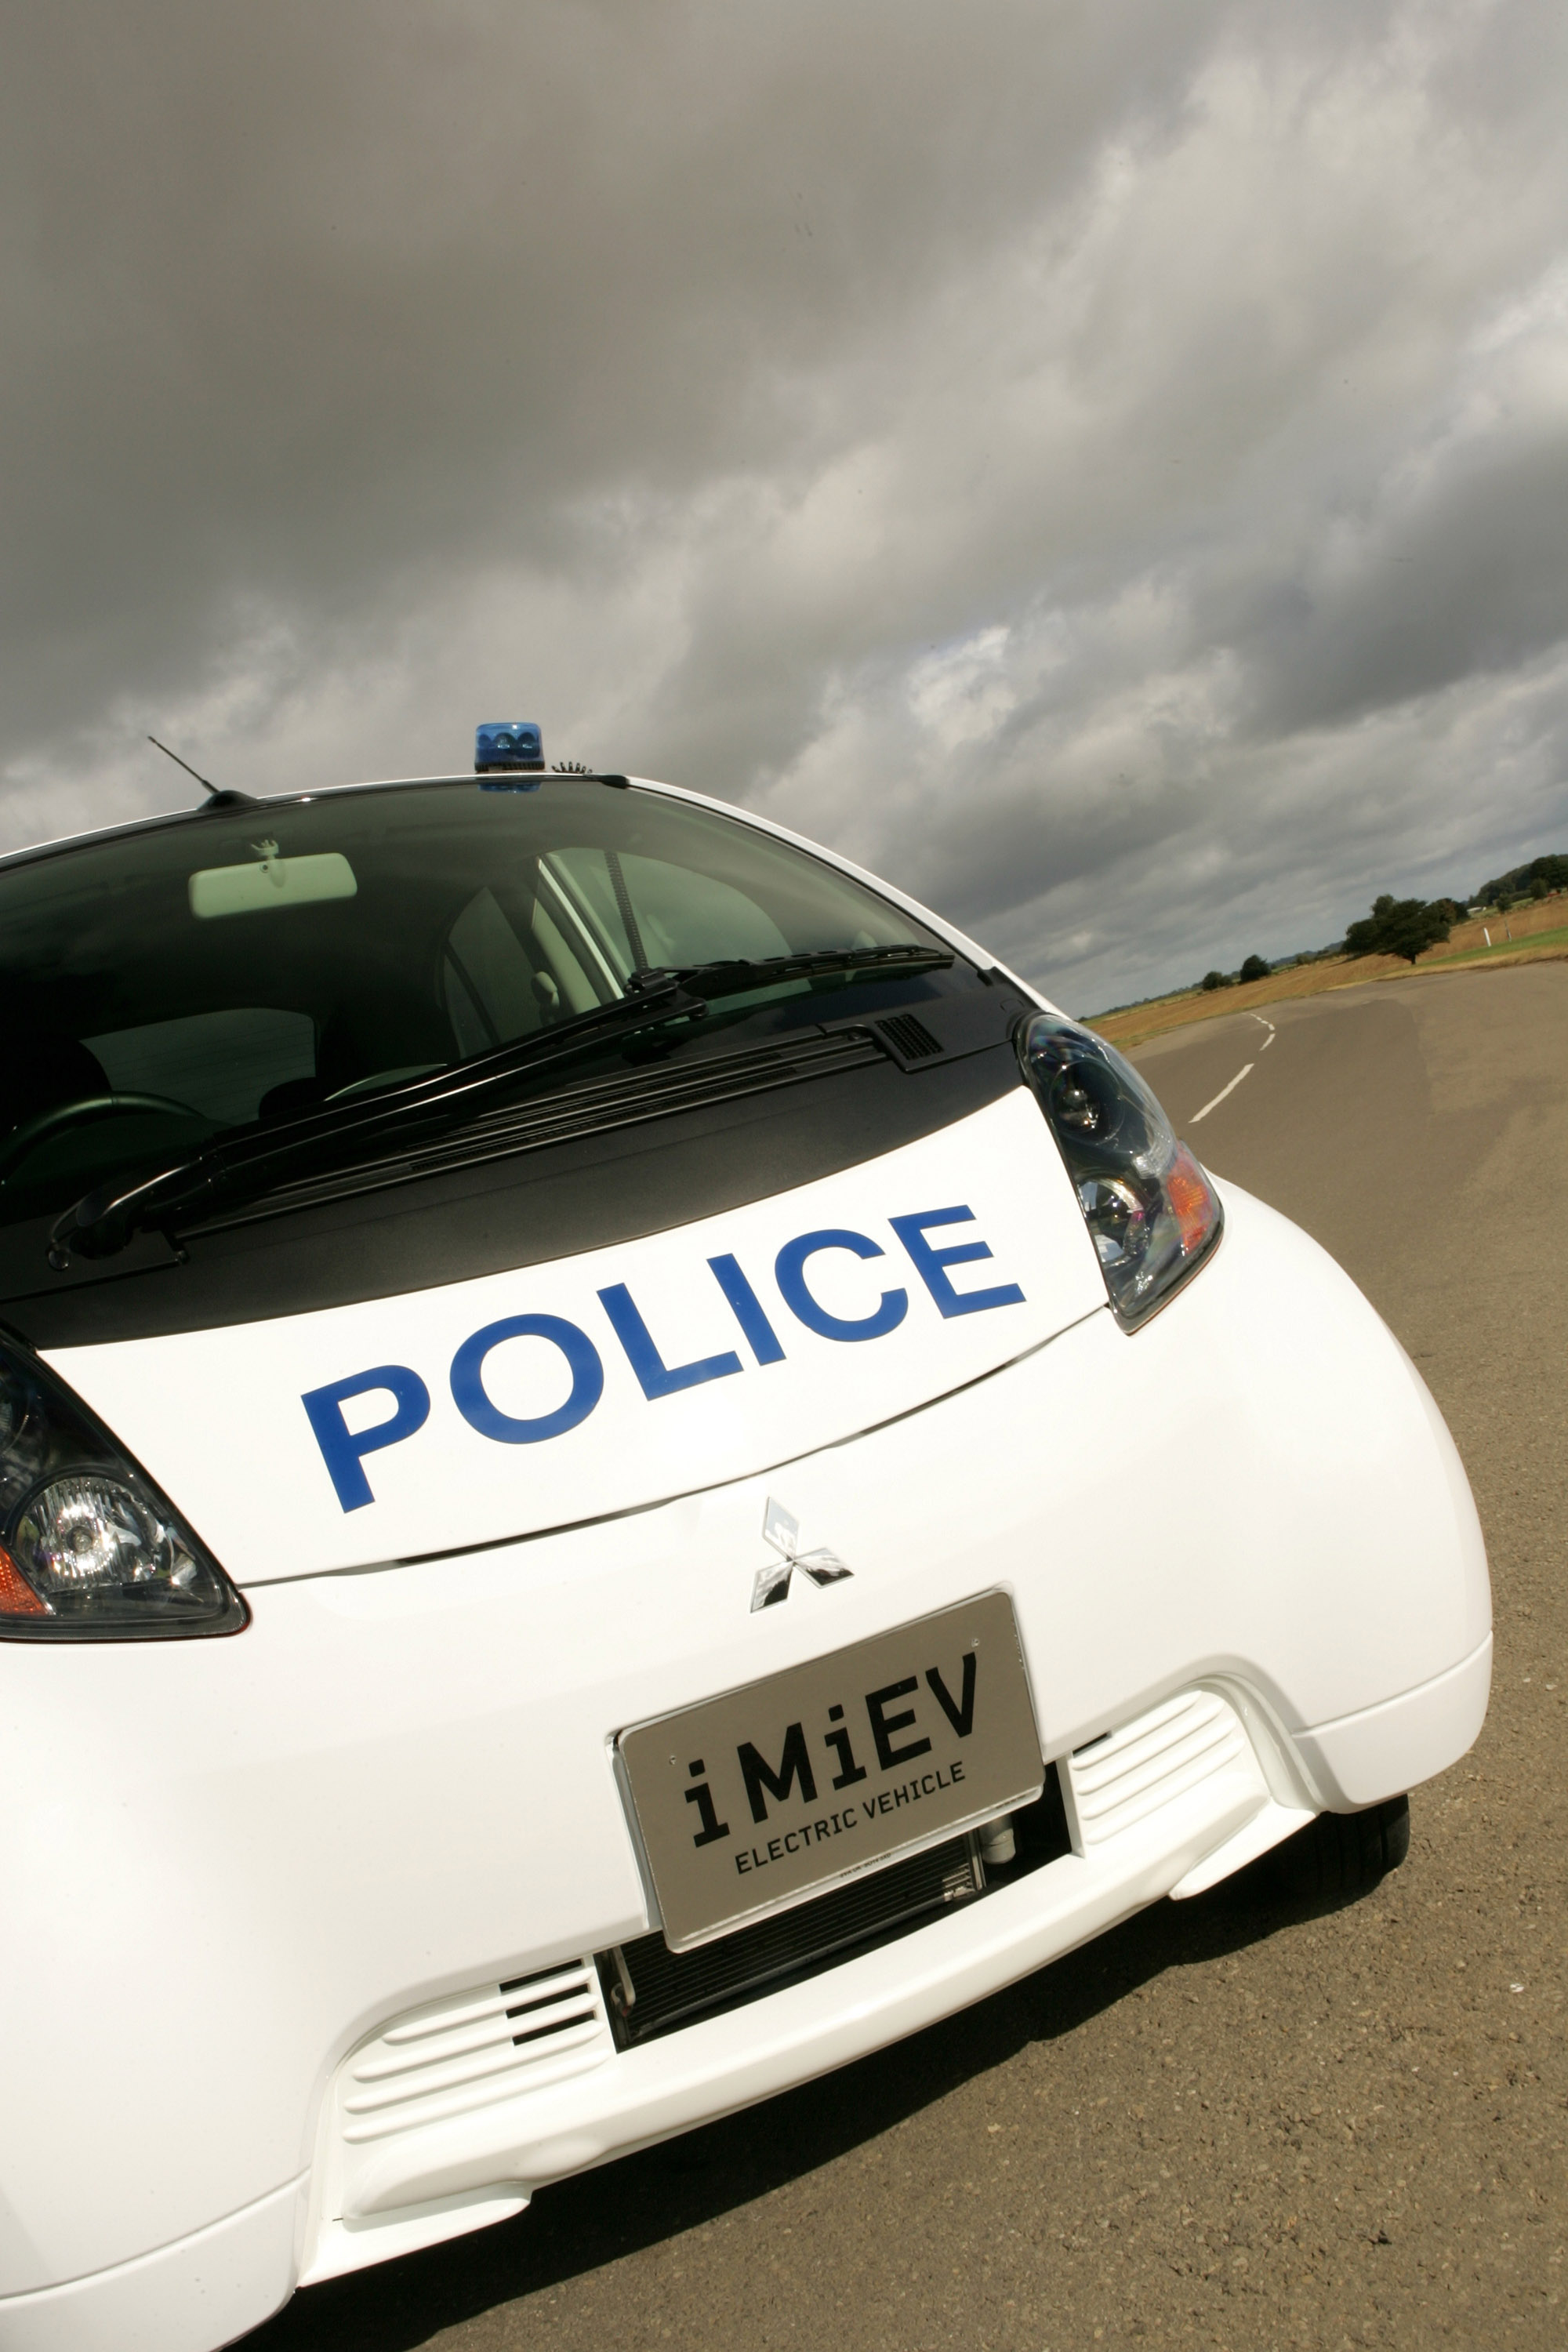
{"type": "Point", "coordinates": [507, 746]}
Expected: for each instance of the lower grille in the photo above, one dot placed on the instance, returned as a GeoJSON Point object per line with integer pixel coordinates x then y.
{"type": "Point", "coordinates": [649, 1989]}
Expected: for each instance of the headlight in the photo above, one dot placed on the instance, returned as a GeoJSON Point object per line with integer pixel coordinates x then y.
{"type": "Point", "coordinates": [1151, 1212]}
{"type": "Point", "coordinates": [89, 1548]}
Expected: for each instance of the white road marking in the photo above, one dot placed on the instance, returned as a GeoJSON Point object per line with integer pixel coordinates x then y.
{"type": "Point", "coordinates": [1219, 1098]}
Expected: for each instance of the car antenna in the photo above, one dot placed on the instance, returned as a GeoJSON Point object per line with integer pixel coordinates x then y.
{"type": "Point", "coordinates": [215, 799]}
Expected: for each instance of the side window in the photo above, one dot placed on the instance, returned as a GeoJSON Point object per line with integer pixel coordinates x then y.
{"type": "Point", "coordinates": [220, 1063]}
{"type": "Point", "coordinates": [681, 915]}
{"type": "Point", "coordinates": [488, 980]}
{"type": "Point", "coordinates": [687, 916]}
{"type": "Point", "coordinates": [577, 992]}
{"type": "Point", "coordinates": [579, 881]}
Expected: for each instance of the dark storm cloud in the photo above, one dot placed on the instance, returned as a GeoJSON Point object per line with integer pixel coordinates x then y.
{"type": "Point", "coordinates": [298, 295]}
{"type": "Point", "coordinates": [1102, 464]}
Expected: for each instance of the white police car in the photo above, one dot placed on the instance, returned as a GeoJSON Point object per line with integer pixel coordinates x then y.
{"type": "Point", "coordinates": [625, 1472]}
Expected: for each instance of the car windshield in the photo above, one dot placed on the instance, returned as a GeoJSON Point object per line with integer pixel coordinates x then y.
{"type": "Point", "coordinates": [166, 985]}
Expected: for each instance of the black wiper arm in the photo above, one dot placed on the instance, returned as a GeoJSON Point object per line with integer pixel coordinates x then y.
{"type": "Point", "coordinates": [102, 1222]}
{"type": "Point", "coordinates": [224, 1174]}
{"type": "Point", "coordinates": [732, 974]}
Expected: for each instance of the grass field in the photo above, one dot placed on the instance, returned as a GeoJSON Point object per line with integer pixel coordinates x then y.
{"type": "Point", "coordinates": [1533, 932]}
{"type": "Point", "coordinates": [1549, 939]}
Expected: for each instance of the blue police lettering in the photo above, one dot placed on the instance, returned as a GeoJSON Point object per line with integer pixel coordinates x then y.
{"type": "Point", "coordinates": [342, 1449]}
{"type": "Point", "coordinates": [761, 1337]}
{"type": "Point", "coordinates": [789, 1273]}
{"type": "Point", "coordinates": [931, 1264]}
{"type": "Point", "coordinates": [473, 1401]}
{"type": "Point", "coordinates": [655, 1377]}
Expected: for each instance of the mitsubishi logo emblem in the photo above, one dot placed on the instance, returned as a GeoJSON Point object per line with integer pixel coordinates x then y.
{"type": "Point", "coordinates": [782, 1532]}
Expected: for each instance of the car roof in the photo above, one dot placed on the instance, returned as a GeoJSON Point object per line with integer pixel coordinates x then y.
{"type": "Point", "coordinates": [220, 807]}
{"type": "Point", "coordinates": [960, 939]}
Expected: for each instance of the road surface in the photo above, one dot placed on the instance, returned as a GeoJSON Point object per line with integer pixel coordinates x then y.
{"type": "Point", "coordinates": [1223, 2125]}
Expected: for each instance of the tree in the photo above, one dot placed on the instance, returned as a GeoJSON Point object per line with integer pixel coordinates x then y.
{"type": "Point", "coordinates": [1255, 969]}
{"type": "Point", "coordinates": [1520, 881]}
{"type": "Point", "coordinates": [1365, 937]}
{"type": "Point", "coordinates": [1411, 926]}
{"type": "Point", "coordinates": [1400, 926]}
{"type": "Point", "coordinates": [1212, 980]}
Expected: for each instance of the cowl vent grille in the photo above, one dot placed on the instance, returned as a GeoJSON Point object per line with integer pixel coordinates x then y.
{"type": "Point", "coordinates": [909, 1037]}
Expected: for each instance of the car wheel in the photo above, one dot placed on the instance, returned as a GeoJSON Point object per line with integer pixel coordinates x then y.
{"type": "Point", "coordinates": [1343, 1854]}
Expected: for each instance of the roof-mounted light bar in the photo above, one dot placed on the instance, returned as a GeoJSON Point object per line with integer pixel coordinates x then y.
{"type": "Point", "coordinates": [508, 746]}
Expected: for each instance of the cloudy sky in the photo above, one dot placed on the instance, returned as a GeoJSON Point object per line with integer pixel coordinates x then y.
{"type": "Point", "coordinates": [1100, 462]}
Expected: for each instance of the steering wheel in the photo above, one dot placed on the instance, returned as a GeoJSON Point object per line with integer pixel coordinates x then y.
{"type": "Point", "coordinates": [61, 1117]}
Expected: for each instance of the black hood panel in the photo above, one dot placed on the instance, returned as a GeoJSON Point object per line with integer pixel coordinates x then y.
{"type": "Point", "coordinates": [578, 1194]}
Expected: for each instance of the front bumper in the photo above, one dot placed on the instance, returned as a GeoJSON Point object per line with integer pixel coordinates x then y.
{"type": "Point", "coordinates": [1173, 1803]}
{"type": "Point", "coordinates": [1188, 1820]}
{"type": "Point", "coordinates": [398, 1788]}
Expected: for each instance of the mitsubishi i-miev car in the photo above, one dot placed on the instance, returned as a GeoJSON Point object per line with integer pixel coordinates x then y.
{"type": "Point", "coordinates": [625, 1472]}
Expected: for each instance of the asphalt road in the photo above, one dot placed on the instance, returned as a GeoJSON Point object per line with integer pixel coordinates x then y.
{"type": "Point", "coordinates": [1227, 2122]}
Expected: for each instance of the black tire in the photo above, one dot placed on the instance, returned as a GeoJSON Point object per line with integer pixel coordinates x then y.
{"type": "Point", "coordinates": [1342, 1855]}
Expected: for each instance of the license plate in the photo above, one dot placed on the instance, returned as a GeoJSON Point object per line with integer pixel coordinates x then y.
{"type": "Point", "coordinates": [750, 1802]}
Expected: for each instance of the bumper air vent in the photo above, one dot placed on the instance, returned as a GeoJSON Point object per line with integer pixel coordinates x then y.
{"type": "Point", "coordinates": [1118, 1779]}
{"type": "Point", "coordinates": [471, 2050]}
{"type": "Point", "coordinates": [651, 1990]}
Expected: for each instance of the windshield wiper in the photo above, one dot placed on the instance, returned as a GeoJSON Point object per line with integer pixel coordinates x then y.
{"type": "Point", "coordinates": [731, 975]}
{"type": "Point", "coordinates": [227, 1173]}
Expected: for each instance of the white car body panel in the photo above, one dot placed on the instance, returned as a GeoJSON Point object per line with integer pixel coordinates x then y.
{"type": "Point", "coordinates": [266, 1503]}
{"type": "Point", "coordinates": [1237, 1541]}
